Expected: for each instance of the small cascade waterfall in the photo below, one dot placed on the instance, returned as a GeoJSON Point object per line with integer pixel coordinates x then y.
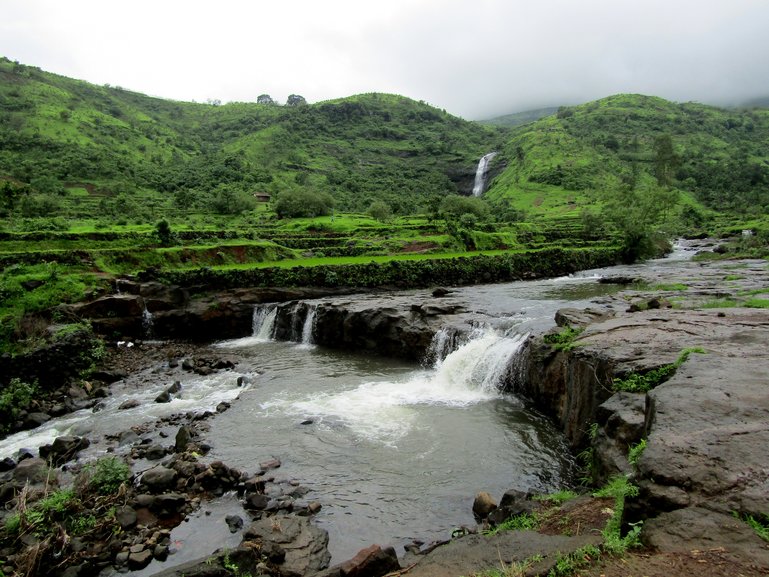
{"type": "Point", "coordinates": [485, 363]}
{"type": "Point", "coordinates": [147, 322]}
{"type": "Point", "coordinates": [263, 322]}
{"type": "Point", "coordinates": [443, 343]}
{"type": "Point", "coordinates": [309, 327]}
{"type": "Point", "coordinates": [480, 173]}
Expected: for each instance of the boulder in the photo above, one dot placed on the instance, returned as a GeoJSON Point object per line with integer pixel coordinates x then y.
{"type": "Point", "coordinates": [129, 404]}
{"type": "Point", "coordinates": [158, 478]}
{"type": "Point", "coordinates": [34, 420]}
{"type": "Point", "coordinates": [63, 449]}
{"type": "Point", "coordinates": [183, 437]}
{"type": "Point", "coordinates": [34, 470]}
{"type": "Point", "coordinates": [483, 505]}
{"type": "Point", "coordinates": [372, 561]}
{"type": "Point", "coordinates": [698, 528]}
{"type": "Point", "coordinates": [305, 546]}
{"type": "Point", "coordinates": [513, 503]}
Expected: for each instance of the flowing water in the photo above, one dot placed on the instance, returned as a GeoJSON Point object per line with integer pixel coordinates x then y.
{"type": "Point", "coordinates": [480, 173]}
{"type": "Point", "coordinates": [393, 451]}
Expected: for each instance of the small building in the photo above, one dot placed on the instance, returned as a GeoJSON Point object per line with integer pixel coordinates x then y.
{"type": "Point", "coordinates": [262, 197]}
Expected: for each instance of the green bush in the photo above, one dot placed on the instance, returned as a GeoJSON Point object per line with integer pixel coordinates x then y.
{"type": "Point", "coordinates": [642, 383]}
{"type": "Point", "coordinates": [17, 396]}
{"type": "Point", "coordinates": [565, 339]}
{"type": "Point", "coordinates": [303, 204]}
{"type": "Point", "coordinates": [107, 475]}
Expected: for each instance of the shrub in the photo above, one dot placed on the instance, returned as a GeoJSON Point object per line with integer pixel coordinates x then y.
{"type": "Point", "coordinates": [303, 204]}
{"type": "Point", "coordinates": [16, 397]}
{"type": "Point", "coordinates": [107, 475]}
{"type": "Point", "coordinates": [563, 340]}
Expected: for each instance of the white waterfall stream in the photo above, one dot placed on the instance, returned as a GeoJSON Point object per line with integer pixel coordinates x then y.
{"type": "Point", "coordinates": [480, 173]}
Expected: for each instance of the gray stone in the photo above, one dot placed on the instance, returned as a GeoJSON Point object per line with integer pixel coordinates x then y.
{"type": "Point", "coordinates": [183, 437]}
{"type": "Point", "coordinates": [34, 470]}
{"type": "Point", "coordinates": [34, 420]}
{"type": "Point", "coordinates": [155, 452]}
{"type": "Point", "coordinates": [129, 404]}
{"type": "Point", "coordinates": [126, 517]}
{"type": "Point", "coordinates": [305, 546]}
{"type": "Point", "coordinates": [158, 478]}
{"type": "Point", "coordinates": [139, 560]}
{"type": "Point", "coordinates": [699, 528]}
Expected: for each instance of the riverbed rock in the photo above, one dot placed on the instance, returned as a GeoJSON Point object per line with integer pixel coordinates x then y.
{"type": "Point", "coordinates": [305, 545]}
{"type": "Point", "coordinates": [707, 429]}
{"type": "Point", "coordinates": [140, 559]}
{"type": "Point", "coordinates": [483, 505]}
{"type": "Point", "coordinates": [158, 478]}
{"type": "Point", "coordinates": [473, 553]}
{"type": "Point", "coordinates": [373, 561]}
{"type": "Point", "coordinates": [699, 528]}
{"type": "Point", "coordinates": [183, 438]}
{"type": "Point", "coordinates": [34, 470]}
{"type": "Point", "coordinates": [63, 449]}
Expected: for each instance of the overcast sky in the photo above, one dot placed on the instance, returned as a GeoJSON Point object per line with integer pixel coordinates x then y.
{"type": "Point", "coordinates": [475, 58]}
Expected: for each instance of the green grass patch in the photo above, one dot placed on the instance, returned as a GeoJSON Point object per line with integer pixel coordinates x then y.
{"type": "Point", "coordinates": [719, 304]}
{"type": "Point", "coordinates": [670, 287]}
{"type": "Point", "coordinates": [564, 340]}
{"type": "Point", "coordinates": [557, 498]}
{"type": "Point", "coordinates": [522, 522]}
{"type": "Point", "coordinates": [642, 383]}
{"type": "Point", "coordinates": [759, 525]}
{"type": "Point", "coordinates": [635, 452]}
{"type": "Point", "coordinates": [757, 303]}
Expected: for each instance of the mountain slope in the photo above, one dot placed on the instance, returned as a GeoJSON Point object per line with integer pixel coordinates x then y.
{"type": "Point", "coordinates": [64, 136]}
{"type": "Point", "coordinates": [718, 157]}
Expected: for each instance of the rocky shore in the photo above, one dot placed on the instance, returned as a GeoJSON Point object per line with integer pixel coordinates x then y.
{"type": "Point", "coordinates": [705, 430]}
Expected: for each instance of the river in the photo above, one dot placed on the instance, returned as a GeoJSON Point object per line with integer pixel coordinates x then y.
{"type": "Point", "coordinates": [392, 450]}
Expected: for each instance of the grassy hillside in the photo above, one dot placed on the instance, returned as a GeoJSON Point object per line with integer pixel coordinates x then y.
{"type": "Point", "coordinates": [717, 158]}
{"type": "Point", "coordinates": [70, 148]}
{"type": "Point", "coordinates": [519, 118]}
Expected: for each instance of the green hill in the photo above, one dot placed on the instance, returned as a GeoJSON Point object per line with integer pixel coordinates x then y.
{"type": "Point", "coordinates": [518, 118]}
{"type": "Point", "coordinates": [71, 148]}
{"type": "Point", "coordinates": [718, 158]}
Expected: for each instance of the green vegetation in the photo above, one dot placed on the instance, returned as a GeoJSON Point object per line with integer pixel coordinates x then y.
{"type": "Point", "coordinates": [51, 519]}
{"type": "Point", "coordinates": [522, 522]}
{"type": "Point", "coordinates": [565, 339]}
{"type": "Point", "coordinates": [14, 398]}
{"type": "Point", "coordinates": [760, 526]}
{"type": "Point", "coordinates": [670, 287]}
{"type": "Point", "coordinates": [557, 498]}
{"type": "Point", "coordinates": [107, 475]}
{"type": "Point", "coordinates": [515, 569]}
{"type": "Point", "coordinates": [642, 383]}
{"type": "Point", "coordinates": [614, 543]}
{"type": "Point", "coordinates": [568, 565]}
{"type": "Point", "coordinates": [635, 452]}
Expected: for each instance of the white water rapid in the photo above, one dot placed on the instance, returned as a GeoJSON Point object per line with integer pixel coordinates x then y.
{"type": "Point", "coordinates": [309, 327]}
{"type": "Point", "coordinates": [385, 411]}
{"type": "Point", "coordinates": [480, 173]}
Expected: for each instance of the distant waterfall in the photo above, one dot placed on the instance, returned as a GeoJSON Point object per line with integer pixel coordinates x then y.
{"type": "Point", "coordinates": [263, 322]}
{"type": "Point", "coordinates": [148, 322]}
{"type": "Point", "coordinates": [480, 173]}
